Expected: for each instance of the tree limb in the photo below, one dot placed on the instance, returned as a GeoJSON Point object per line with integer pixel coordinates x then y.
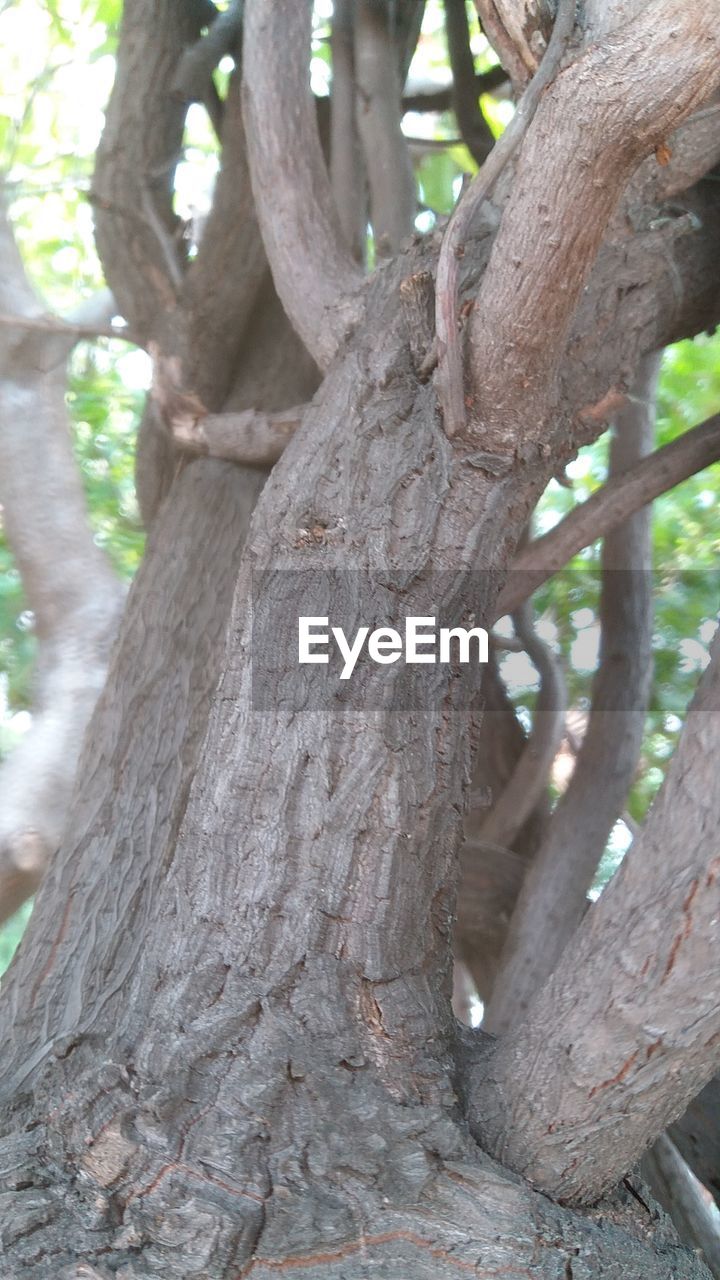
{"type": "Point", "coordinates": [609, 507]}
{"type": "Point", "coordinates": [506, 24]}
{"type": "Point", "coordinates": [529, 779]}
{"type": "Point", "coordinates": [347, 175]}
{"type": "Point", "coordinates": [697, 1136]}
{"type": "Point", "coordinates": [417, 98]}
{"type": "Point", "coordinates": [686, 1200]}
{"type": "Point", "coordinates": [585, 142]}
{"type": "Point", "coordinates": [195, 68]}
{"type": "Point", "coordinates": [74, 596]}
{"type": "Point", "coordinates": [314, 273]}
{"type": "Point", "coordinates": [68, 331]}
{"type": "Point", "coordinates": [476, 132]}
{"type": "Point", "coordinates": [135, 226]}
{"type": "Point", "coordinates": [250, 437]}
{"type": "Point", "coordinates": [449, 376]}
{"type": "Point", "coordinates": [621, 1036]}
{"type": "Point", "coordinates": [393, 197]}
{"type": "Point", "coordinates": [554, 894]}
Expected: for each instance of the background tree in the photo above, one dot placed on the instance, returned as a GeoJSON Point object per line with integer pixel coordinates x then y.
{"type": "Point", "coordinates": [230, 1046]}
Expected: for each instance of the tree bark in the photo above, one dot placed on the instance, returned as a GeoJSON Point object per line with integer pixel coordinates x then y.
{"type": "Point", "coordinates": [231, 1052]}
{"type": "Point", "coordinates": [601, 1050]}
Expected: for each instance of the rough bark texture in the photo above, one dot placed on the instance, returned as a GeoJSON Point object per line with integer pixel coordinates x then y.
{"type": "Point", "coordinates": [244, 930]}
{"type": "Point", "coordinates": [554, 894]}
{"type": "Point", "coordinates": [561, 1100]}
{"type": "Point", "coordinates": [232, 1053]}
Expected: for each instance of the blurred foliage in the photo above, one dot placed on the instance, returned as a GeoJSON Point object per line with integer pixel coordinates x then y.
{"type": "Point", "coordinates": [56, 69]}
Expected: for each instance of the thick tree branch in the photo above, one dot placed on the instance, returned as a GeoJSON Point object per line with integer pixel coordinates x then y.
{"type": "Point", "coordinates": [622, 1036]}
{"type": "Point", "coordinates": [314, 272]}
{"type": "Point", "coordinates": [609, 507]}
{"type": "Point", "coordinates": [223, 282]}
{"type": "Point", "coordinates": [554, 895]}
{"type": "Point", "coordinates": [585, 142]}
{"type": "Point", "coordinates": [201, 340]}
{"type": "Point", "coordinates": [449, 376]}
{"type": "Point", "coordinates": [509, 26]}
{"type": "Point", "coordinates": [137, 233]}
{"type": "Point", "coordinates": [195, 68]}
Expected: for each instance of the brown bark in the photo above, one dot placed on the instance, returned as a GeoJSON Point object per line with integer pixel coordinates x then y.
{"type": "Point", "coordinates": [235, 912]}
{"type": "Point", "coordinates": [554, 894]}
{"type": "Point", "coordinates": [314, 272]}
{"type": "Point", "coordinates": [612, 1052]}
{"type": "Point", "coordinates": [347, 173]}
{"type": "Point", "coordinates": [232, 1052]}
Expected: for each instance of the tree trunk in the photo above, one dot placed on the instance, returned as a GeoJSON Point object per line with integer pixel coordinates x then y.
{"type": "Point", "coordinates": [233, 1053]}
{"type": "Point", "coordinates": [230, 1050]}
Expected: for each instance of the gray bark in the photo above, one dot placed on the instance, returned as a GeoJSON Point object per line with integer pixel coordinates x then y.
{"type": "Point", "coordinates": [231, 1051]}
{"type": "Point", "coordinates": [73, 593]}
{"type": "Point", "coordinates": [554, 894]}
{"type": "Point", "coordinates": [244, 932]}
{"type": "Point", "coordinates": [686, 1200]}
{"type": "Point", "coordinates": [613, 1049]}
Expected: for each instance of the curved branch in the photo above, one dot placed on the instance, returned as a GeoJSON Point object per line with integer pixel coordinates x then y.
{"type": "Point", "coordinates": [554, 895]}
{"type": "Point", "coordinates": [530, 776]}
{"type": "Point", "coordinates": [609, 507]}
{"type": "Point", "coordinates": [195, 68]}
{"type": "Point", "coordinates": [136, 230]}
{"type": "Point", "coordinates": [507, 31]}
{"type": "Point", "coordinates": [586, 140]}
{"type": "Point", "coordinates": [476, 132]}
{"type": "Point", "coordinates": [621, 1037]}
{"type": "Point", "coordinates": [313, 271]}
{"type": "Point", "coordinates": [449, 376]}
